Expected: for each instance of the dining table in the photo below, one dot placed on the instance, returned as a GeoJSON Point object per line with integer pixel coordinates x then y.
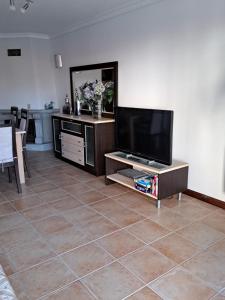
{"type": "Point", "coordinates": [19, 146]}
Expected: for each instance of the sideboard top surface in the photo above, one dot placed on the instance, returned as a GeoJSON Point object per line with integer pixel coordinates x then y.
{"type": "Point", "coordinates": [84, 118]}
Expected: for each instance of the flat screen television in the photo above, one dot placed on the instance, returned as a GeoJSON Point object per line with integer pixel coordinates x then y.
{"type": "Point", "coordinates": [145, 133]}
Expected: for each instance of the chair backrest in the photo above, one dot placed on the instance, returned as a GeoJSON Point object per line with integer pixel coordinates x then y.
{"type": "Point", "coordinates": [14, 112]}
{"type": "Point", "coordinates": [24, 123]}
{"type": "Point", "coordinates": [7, 144]}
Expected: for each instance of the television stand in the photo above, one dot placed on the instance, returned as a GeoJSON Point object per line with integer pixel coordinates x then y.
{"type": "Point", "coordinates": [170, 179]}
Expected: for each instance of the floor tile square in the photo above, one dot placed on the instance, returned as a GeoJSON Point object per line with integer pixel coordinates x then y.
{"type": "Point", "coordinates": [120, 243]}
{"type": "Point", "coordinates": [52, 224]}
{"type": "Point", "coordinates": [89, 220]}
{"type": "Point", "coordinates": [192, 211]}
{"type": "Point", "coordinates": [42, 279]}
{"type": "Point", "coordinates": [17, 236]}
{"type": "Point", "coordinates": [11, 194]}
{"type": "Point", "coordinates": [43, 187]}
{"type": "Point", "coordinates": [113, 282]}
{"type": "Point", "coordinates": [147, 264]}
{"type": "Point", "coordinates": [66, 204]}
{"type": "Point", "coordinates": [210, 267]}
{"type": "Point", "coordinates": [216, 221]}
{"type": "Point", "coordinates": [29, 254]}
{"type": "Point", "coordinates": [39, 212]}
{"type": "Point", "coordinates": [116, 212]}
{"type": "Point", "coordinates": [179, 284]}
{"type": "Point", "coordinates": [52, 195]}
{"type": "Point", "coordinates": [201, 234]}
{"type": "Point", "coordinates": [141, 204]}
{"type": "Point", "coordinates": [35, 180]}
{"type": "Point", "coordinates": [77, 189]}
{"type": "Point", "coordinates": [91, 197]}
{"type": "Point", "coordinates": [114, 190]}
{"type": "Point", "coordinates": [81, 215]}
{"type": "Point", "coordinates": [148, 230]}
{"type": "Point", "coordinates": [6, 209]}
{"type": "Point", "coordinates": [74, 291]}
{"type": "Point", "coordinates": [10, 221]}
{"type": "Point", "coordinates": [170, 220]}
{"type": "Point", "coordinates": [176, 248]}
{"type": "Point", "coordinates": [144, 294]}
{"type": "Point", "coordinates": [217, 249]}
{"type": "Point", "coordinates": [98, 183]}
{"type": "Point", "coordinates": [100, 226]}
{"type": "Point", "coordinates": [3, 198]}
{"type": "Point", "coordinates": [27, 202]}
{"type": "Point", "coordinates": [86, 259]}
{"type": "Point", "coordinates": [67, 239]}
{"type": "Point", "coordinates": [63, 179]}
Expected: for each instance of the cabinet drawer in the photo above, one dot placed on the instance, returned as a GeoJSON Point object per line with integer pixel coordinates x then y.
{"type": "Point", "coordinates": [71, 127]}
{"type": "Point", "coordinates": [76, 149]}
{"type": "Point", "coordinates": [79, 159]}
{"type": "Point", "coordinates": [72, 139]}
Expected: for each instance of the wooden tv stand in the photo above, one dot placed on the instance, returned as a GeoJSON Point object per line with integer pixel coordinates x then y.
{"type": "Point", "coordinates": [171, 179]}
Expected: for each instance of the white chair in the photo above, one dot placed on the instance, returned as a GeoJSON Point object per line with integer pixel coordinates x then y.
{"type": "Point", "coordinates": [8, 156]}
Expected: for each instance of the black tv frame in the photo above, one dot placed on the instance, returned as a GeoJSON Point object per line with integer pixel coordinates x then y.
{"type": "Point", "coordinates": [141, 155]}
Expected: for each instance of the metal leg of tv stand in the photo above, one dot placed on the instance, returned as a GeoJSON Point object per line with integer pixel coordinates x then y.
{"type": "Point", "coordinates": [158, 203]}
{"type": "Point", "coordinates": [179, 196]}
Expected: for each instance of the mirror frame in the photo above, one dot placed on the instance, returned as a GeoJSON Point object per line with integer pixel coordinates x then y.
{"type": "Point", "coordinates": [114, 65]}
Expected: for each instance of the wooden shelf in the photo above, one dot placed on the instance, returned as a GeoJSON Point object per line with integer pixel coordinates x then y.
{"type": "Point", "coordinates": [148, 168]}
{"type": "Point", "coordinates": [128, 182]}
{"type": "Point", "coordinates": [171, 179]}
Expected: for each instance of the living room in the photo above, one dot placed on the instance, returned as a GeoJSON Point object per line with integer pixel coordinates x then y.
{"type": "Point", "coordinates": [170, 56]}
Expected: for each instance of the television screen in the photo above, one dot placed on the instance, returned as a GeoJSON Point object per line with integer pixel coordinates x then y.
{"type": "Point", "coordinates": [145, 132]}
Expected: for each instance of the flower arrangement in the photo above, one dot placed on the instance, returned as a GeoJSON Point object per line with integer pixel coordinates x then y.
{"type": "Point", "coordinates": [91, 92]}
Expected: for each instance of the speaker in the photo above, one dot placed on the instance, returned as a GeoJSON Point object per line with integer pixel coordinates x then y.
{"type": "Point", "coordinates": [58, 61]}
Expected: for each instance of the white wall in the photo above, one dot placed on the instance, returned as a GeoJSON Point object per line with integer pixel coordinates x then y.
{"type": "Point", "coordinates": [27, 79]}
{"type": "Point", "coordinates": [171, 55]}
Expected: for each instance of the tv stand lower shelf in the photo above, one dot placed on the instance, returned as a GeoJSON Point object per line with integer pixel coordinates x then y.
{"type": "Point", "coordinates": [170, 179]}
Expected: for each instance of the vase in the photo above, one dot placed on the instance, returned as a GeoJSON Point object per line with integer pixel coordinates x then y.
{"type": "Point", "coordinates": [97, 109]}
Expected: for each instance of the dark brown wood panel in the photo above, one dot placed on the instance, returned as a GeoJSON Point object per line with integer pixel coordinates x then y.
{"type": "Point", "coordinates": [172, 182]}
{"type": "Point", "coordinates": [112, 166]}
{"type": "Point", "coordinates": [205, 198]}
{"type": "Point", "coordinates": [104, 143]}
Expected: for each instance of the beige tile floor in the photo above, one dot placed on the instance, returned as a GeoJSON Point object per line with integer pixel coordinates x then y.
{"type": "Point", "coordinates": [68, 236]}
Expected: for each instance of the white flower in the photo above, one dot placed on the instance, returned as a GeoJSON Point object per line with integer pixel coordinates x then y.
{"type": "Point", "coordinates": [99, 88]}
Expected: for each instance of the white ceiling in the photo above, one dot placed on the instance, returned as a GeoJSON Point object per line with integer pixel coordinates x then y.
{"type": "Point", "coordinates": [54, 17]}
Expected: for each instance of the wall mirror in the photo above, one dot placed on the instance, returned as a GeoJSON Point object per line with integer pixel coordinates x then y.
{"type": "Point", "coordinates": [107, 73]}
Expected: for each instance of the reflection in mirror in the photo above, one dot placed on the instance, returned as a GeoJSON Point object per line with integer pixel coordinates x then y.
{"type": "Point", "coordinates": [82, 76]}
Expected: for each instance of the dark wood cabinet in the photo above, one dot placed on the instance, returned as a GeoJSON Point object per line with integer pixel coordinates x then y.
{"type": "Point", "coordinates": [83, 141]}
